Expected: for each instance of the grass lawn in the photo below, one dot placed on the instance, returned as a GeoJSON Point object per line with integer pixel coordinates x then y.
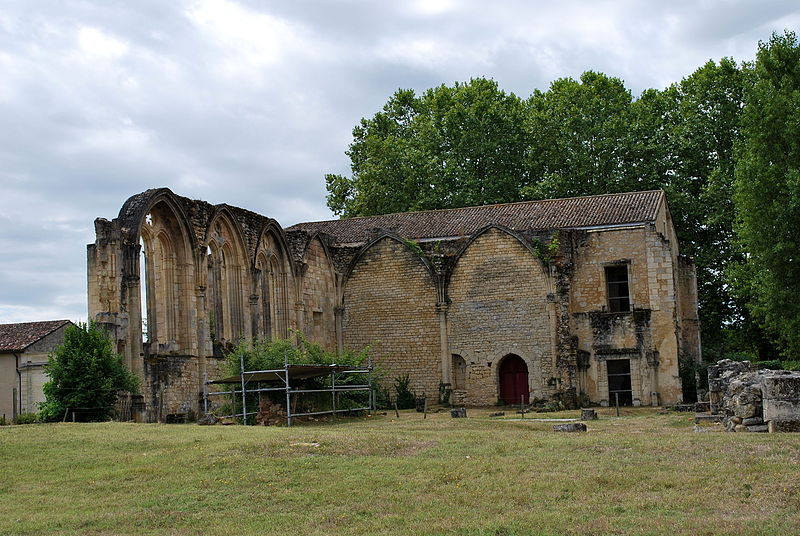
{"type": "Point", "coordinates": [642, 473]}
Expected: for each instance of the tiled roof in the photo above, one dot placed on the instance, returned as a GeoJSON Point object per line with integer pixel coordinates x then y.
{"type": "Point", "coordinates": [589, 211]}
{"type": "Point", "coordinates": [17, 337]}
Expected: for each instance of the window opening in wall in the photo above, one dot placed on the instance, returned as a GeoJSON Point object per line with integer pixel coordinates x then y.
{"type": "Point", "coordinates": [143, 274]}
{"type": "Point", "coordinates": [619, 381]}
{"type": "Point", "coordinates": [265, 300]}
{"type": "Point", "coordinates": [459, 372]}
{"type": "Point", "coordinates": [618, 289]}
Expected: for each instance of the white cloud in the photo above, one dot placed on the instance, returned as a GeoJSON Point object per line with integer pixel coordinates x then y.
{"type": "Point", "coordinates": [249, 39]}
{"type": "Point", "coordinates": [432, 7]}
{"type": "Point", "coordinates": [97, 43]}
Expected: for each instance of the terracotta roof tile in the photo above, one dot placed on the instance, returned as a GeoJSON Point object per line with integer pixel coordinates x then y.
{"type": "Point", "coordinates": [17, 337]}
{"type": "Point", "coordinates": [596, 210]}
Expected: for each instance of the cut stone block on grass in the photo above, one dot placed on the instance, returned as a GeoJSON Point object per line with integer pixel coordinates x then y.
{"type": "Point", "coordinates": [570, 427]}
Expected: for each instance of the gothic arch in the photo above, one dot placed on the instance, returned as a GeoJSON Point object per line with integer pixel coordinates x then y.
{"type": "Point", "coordinates": [166, 282]}
{"type": "Point", "coordinates": [226, 280]}
{"type": "Point", "coordinates": [524, 243]}
{"type": "Point", "coordinates": [273, 283]}
{"type": "Point", "coordinates": [391, 236]}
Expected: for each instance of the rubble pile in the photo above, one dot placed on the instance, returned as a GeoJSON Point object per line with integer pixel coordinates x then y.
{"type": "Point", "coordinates": [754, 401]}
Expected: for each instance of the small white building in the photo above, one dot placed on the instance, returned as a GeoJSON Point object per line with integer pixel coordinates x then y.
{"type": "Point", "coordinates": [24, 349]}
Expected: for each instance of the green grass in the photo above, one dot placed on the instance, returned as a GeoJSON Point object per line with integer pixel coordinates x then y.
{"type": "Point", "coordinates": [642, 473]}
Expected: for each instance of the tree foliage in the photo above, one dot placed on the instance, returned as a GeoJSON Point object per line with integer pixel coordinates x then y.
{"type": "Point", "coordinates": [450, 147]}
{"type": "Point", "coordinates": [767, 193]}
{"type": "Point", "coordinates": [263, 354]}
{"type": "Point", "coordinates": [85, 372]}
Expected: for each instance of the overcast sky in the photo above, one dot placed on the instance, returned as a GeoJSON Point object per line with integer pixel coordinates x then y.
{"type": "Point", "coordinates": [251, 103]}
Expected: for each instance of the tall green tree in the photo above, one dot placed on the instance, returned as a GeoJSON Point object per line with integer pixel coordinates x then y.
{"type": "Point", "coordinates": [578, 135]}
{"type": "Point", "coordinates": [710, 103]}
{"type": "Point", "coordinates": [767, 192]}
{"type": "Point", "coordinates": [450, 147]}
{"type": "Point", "coordinates": [85, 372]}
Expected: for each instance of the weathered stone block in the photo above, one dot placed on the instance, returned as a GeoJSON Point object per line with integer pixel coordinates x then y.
{"type": "Point", "coordinates": [588, 415]}
{"type": "Point", "coordinates": [784, 426]}
{"type": "Point", "coordinates": [570, 427]}
{"type": "Point", "coordinates": [781, 410]}
{"type": "Point", "coordinates": [458, 413]}
{"type": "Point", "coordinates": [746, 411]}
{"type": "Point", "coordinates": [781, 386]}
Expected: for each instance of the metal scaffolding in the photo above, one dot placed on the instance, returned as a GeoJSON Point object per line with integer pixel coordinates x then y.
{"type": "Point", "coordinates": [282, 379]}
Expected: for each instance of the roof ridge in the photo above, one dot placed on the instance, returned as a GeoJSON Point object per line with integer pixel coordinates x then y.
{"type": "Point", "coordinates": [62, 321]}
{"type": "Point", "coordinates": [512, 203]}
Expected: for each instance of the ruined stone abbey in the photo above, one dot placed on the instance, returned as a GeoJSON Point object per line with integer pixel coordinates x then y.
{"type": "Point", "coordinates": [580, 300]}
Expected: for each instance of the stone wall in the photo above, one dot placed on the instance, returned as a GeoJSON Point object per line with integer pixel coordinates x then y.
{"type": "Point", "coordinates": [318, 295]}
{"type": "Point", "coordinates": [498, 293]}
{"type": "Point", "coordinates": [390, 304]}
{"type": "Point", "coordinates": [646, 335]}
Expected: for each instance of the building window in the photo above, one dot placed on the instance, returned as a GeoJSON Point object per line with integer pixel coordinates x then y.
{"type": "Point", "coordinates": [619, 382]}
{"type": "Point", "coordinates": [619, 299]}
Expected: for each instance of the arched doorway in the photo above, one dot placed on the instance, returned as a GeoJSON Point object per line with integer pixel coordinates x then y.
{"type": "Point", "coordinates": [513, 377]}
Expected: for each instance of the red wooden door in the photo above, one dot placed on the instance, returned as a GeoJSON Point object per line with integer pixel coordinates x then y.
{"type": "Point", "coordinates": [514, 380]}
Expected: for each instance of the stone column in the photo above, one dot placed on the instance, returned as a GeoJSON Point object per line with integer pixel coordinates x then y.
{"type": "Point", "coordinates": [652, 367]}
{"type": "Point", "coordinates": [202, 333]}
{"type": "Point", "coordinates": [602, 382]}
{"type": "Point", "coordinates": [338, 314]}
{"type": "Point", "coordinates": [300, 312]}
{"type": "Point", "coordinates": [444, 344]}
{"type": "Point", "coordinates": [133, 340]}
{"type": "Point", "coordinates": [254, 316]}
{"type": "Point", "coordinates": [582, 362]}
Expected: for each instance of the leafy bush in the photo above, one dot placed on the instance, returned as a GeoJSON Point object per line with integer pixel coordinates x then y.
{"type": "Point", "coordinates": [406, 398]}
{"type": "Point", "coordinates": [27, 418]}
{"type": "Point", "coordinates": [262, 354]}
{"type": "Point", "coordinates": [85, 372]}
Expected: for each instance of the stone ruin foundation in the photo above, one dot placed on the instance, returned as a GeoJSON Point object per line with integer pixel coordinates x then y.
{"type": "Point", "coordinates": [754, 400]}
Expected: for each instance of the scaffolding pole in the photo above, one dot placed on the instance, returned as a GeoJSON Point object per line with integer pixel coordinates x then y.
{"type": "Point", "coordinates": [281, 380]}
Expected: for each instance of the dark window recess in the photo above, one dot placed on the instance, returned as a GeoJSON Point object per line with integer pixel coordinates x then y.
{"type": "Point", "coordinates": [619, 382]}
{"type": "Point", "coordinates": [619, 299]}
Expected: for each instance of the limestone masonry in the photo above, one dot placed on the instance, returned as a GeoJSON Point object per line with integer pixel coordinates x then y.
{"type": "Point", "coordinates": [576, 300]}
